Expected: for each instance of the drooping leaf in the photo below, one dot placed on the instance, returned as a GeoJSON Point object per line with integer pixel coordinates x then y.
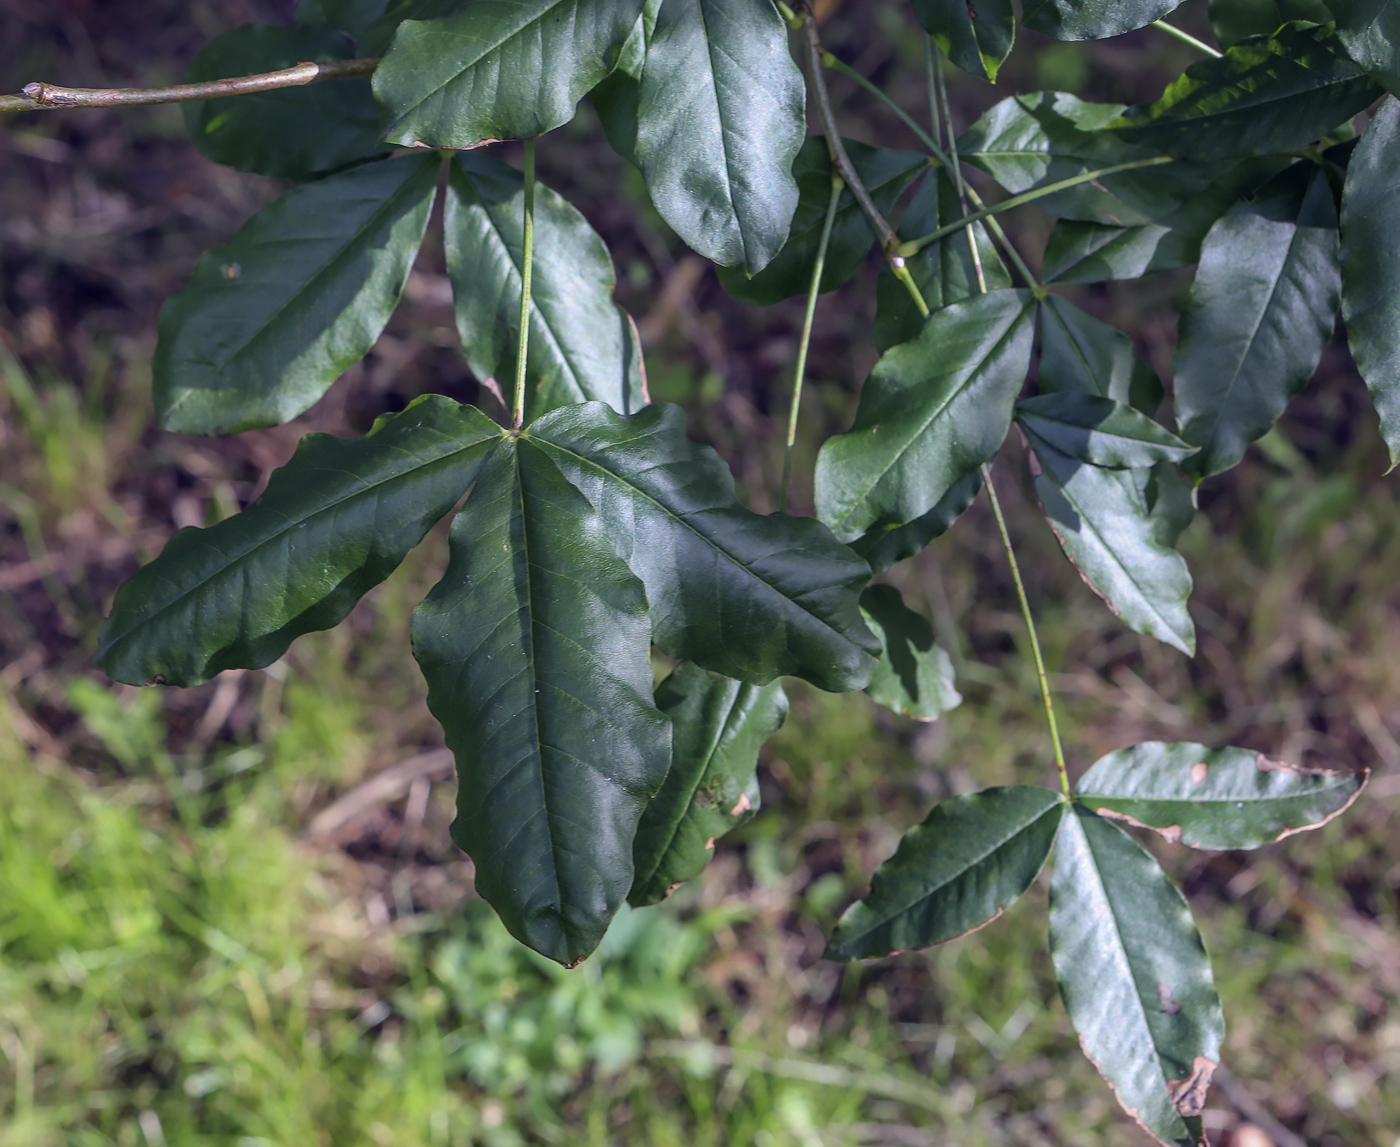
{"type": "Point", "coordinates": [497, 69]}
{"type": "Point", "coordinates": [720, 118]}
{"type": "Point", "coordinates": [943, 271]}
{"type": "Point", "coordinates": [1102, 522]}
{"type": "Point", "coordinates": [270, 319]}
{"type": "Point", "coordinates": [1215, 798]}
{"type": "Point", "coordinates": [960, 869]}
{"type": "Point", "coordinates": [1261, 310]}
{"type": "Point", "coordinates": [1031, 141]}
{"type": "Point", "coordinates": [883, 546]}
{"type": "Point", "coordinates": [1081, 354]}
{"type": "Point", "coordinates": [915, 675]}
{"type": "Point", "coordinates": [931, 412]}
{"type": "Point", "coordinates": [583, 346]}
{"type": "Point", "coordinates": [333, 522]}
{"type": "Point", "coordinates": [885, 172]}
{"type": "Point", "coordinates": [1092, 19]}
{"type": "Point", "coordinates": [352, 16]}
{"type": "Point", "coordinates": [1236, 20]}
{"type": "Point", "coordinates": [977, 42]}
{"type": "Point", "coordinates": [1261, 96]}
{"type": "Point", "coordinates": [1370, 268]}
{"type": "Point", "coordinates": [1135, 977]}
{"type": "Point", "coordinates": [1099, 431]}
{"type": "Point", "coordinates": [289, 132]}
{"type": "Point", "coordinates": [535, 648]}
{"type": "Point", "coordinates": [748, 596]}
{"type": "Point", "coordinates": [1370, 32]}
{"type": "Point", "coordinates": [718, 727]}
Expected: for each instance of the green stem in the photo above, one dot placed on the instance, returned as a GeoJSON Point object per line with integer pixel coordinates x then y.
{"type": "Point", "coordinates": [49, 97]}
{"type": "Point", "coordinates": [528, 259]}
{"type": "Point", "coordinates": [933, 62]}
{"type": "Point", "coordinates": [1185, 38]}
{"type": "Point", "coordinates": [837, 185]}
{"type": "Point", "coordinates": [914, 246]}
{"type": "Point", "coordinates": [1030, 629]}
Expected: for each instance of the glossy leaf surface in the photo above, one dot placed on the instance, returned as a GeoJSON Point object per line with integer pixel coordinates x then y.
{"type": "Point", "coordinates": [1135, 977]}
{"type": "Point", "coordinates": [718, 727]}
{"type": "Point", "coordinates": [270, 319]}
{"type": "Point", "coordinates": [976, 41]}
{"type": "Point", "coordinates": [883, 546]}
{"type": "Point", "coordinates": [1102, 522]}
{"type": "Point", "coordinates": [720, 118]}
{"type": "Point", "coordinates": [1371, 265]}
{"type": "Point", "coordinates": [333, 522]}
{"type": "Point", "coordinates": [1099, 431]}
{"type": "Point", "coordinates": [960, 869]}
{"type": "Point", "coordinates": [1092, 19]}
{"type": "Point", "coordinates": [1081, 354]}
{"type": "Point", "coordinates": [1236, 20]}
{"type": "Point", "coordinates": [748, 596]}
{"type": "Point", "coordinates": [931, 412]}
{"type": "Point", "coordinates": [1261, 96]}
{"type": "Point", "coordinates": [1261, 310]}
{"type": "Point", "coordinates": [915, 674]}
{"type": "Point", "coordinates": [1078, 252]}
{"type": "Point", "coordinates": [289, 132]}
{"type": "Point", "coordinates": [1370, 32]}
{"type": "Point", "coordinates": [885, 172]}
{"type": "Point", "coordinates": [583, 346]}
{"type": "Point", "coordinates": [535, 646]}
{"type": "Point", "coordinates": [1214, 798]}
{"type": "Point", "coordinates": [497, 69]}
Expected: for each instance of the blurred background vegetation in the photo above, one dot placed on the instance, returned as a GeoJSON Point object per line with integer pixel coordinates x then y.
{"type": "Point", "coordinates": [232, 915]}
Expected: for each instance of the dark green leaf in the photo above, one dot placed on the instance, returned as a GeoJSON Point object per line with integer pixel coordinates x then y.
{"type": "Point", "coordinates": [352, 16]}
{"type": "Point", "coordinates": [747, 596]}
{"type": "Point", "coordinates": [1370, 32]}
{"type": "Point", "coordinates": [1099, 431]}
{"type": "Point", "coordinates": [535, 648]}
{"type": "Point", "coordinates": [333, 522]}
{"type": "Point", "coordinates": [932, 411]}
{"type": "Point", "coordinates": [376, 39]}
{"type": "Point", "coordinates": [1261, 311]}
{"type": "Point", "coordinates": [1236, 20]}
{"type": "Point", "coordinates": [915, 675]}
{"type": "Point", "coordinates": [1261, 96]}
{"type": "Point", "coordinates": [969, 860]}
{"type": "Point", "coordinates": [943, 271]}
{"type": "Point", "coordinates": [1371, 265]}
{"type": "Point", "coordinates": [1102, 521]}
{"type": "Point", "coordinates": [1215, 798]}
{"type": "Point", "coordinates": [583, 347]}
{"type": "Point", "coordinates": [1081, 354]}
{"type": "Point", "coordinates": [1135, 977]}
{"type": "Point", "coordinates": [290, 132]}
{"type": "Point", "coordinates": [885, 172]}
{"type": "Point", "coordinates": [883, 546]}
{"type": "Point", "coordinates": [1092, 19]}
{"type": "Point", "coordinates": [719, 122]}
{"type": "Point", "coordinates": [617, 100]}
{"type": "Point", "coordinates": [498, 69]}
{"type": "Point", "coordinates": [1167, 496]}
{"type": "Point", "coordinates": [1093, 252]}
{"type": "Point", "coordinates": [977, 42]}
{"type": "Point", "coordinates": [270, 319]}
{"type": "Point", "coordinates": [718, 727]}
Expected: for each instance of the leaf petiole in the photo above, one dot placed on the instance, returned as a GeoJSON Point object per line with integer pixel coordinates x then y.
{"type": "Point", "coordinates": [1185, 38]}
{"type": "Point", "coordinates": [527, 260]}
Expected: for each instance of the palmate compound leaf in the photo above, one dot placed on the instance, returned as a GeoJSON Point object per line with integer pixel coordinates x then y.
{"type": "Point", "coordinates": [583, 347]}
{"type": "Point", "coordinates": [1370, 32]}
{"type": "Point", "coordinates": [497, 69]}
{"type": "Point", "coordinates": [958, 870]}
{"type": "Point", "coordinates": [1080, 354]}
{"type": "Point", "coordinates": [977, 40]}
{"type": "Point", "coordinates": [1261, 96]}
{"type": "Point", "coordinates": [1371, 265]}
{"type": "Point", "coordinates": [1215, 798]}
{"type": "Point", "coordinates": [291, 132]}
{"type": "Point", "coordinates": [333, 522]}
{"type": "Point", "coordinates": [748, 596]}
{"type": "Point", "coordinates": [1092, 19]}
{"type": "Point", "coordinates": [270, 319]}
{"type": "Point", "coordinates": [1261, 311]}
{"type": "Point", "coordinates": [931, 412]}
{"type": "Point", "coordinates": [1135, 977]}
{"type": "Point", "coordinates": [718, 726]}
{"type": "Point", "coordinates": [915, 674]}
{"type": "Point", "coordinates": [886, 173]}
{"type": "Point", "coordinates": [1099, 431]}
{"type": "Point", "coordinates": [535, 646]}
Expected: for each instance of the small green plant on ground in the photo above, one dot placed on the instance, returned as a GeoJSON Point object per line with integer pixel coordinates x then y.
{"type": "Point", "coordinates": [593, 529]}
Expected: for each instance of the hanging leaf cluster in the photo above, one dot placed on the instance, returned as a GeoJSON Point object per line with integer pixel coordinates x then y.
{"type": "Point", "coordinates": [594, 530]}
